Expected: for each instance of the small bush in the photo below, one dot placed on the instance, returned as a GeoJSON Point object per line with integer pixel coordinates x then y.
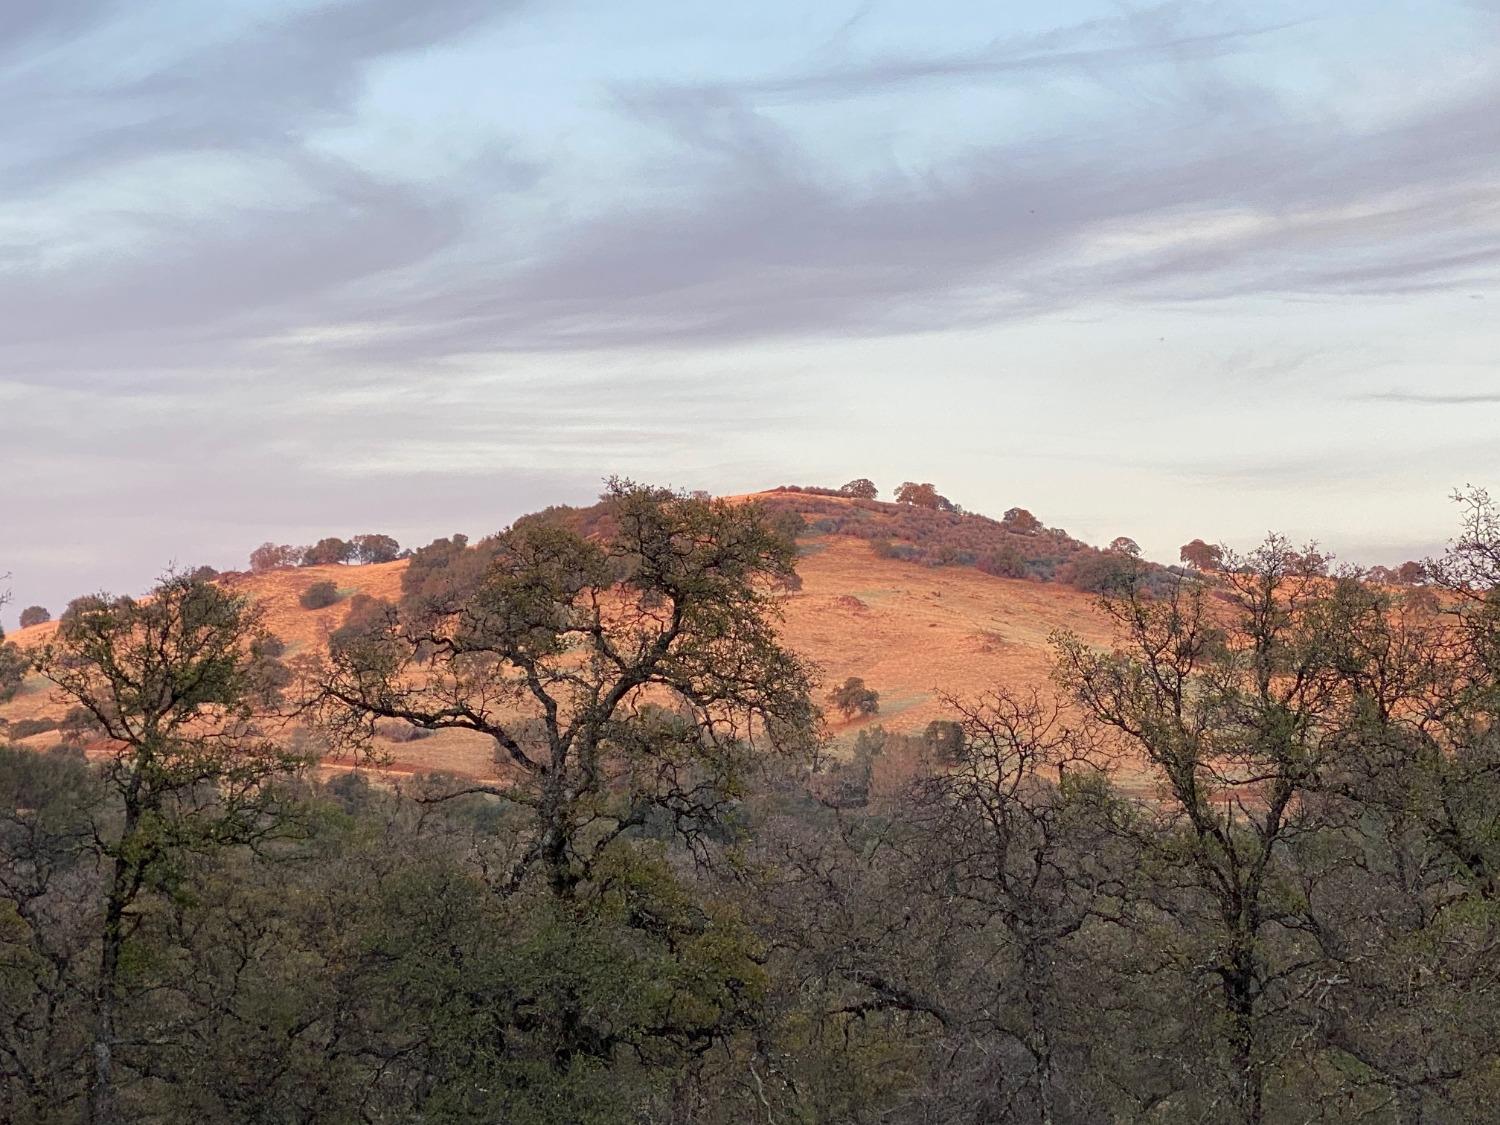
{"type": "Point", "coordinates": [25, 728]}
{"type": "Point", "coordinates": [319, 595]}
{"type": "Point", "coordinates": [399, 730]}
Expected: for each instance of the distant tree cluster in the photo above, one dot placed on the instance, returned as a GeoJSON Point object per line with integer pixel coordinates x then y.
{"type": "Point", "coordinates": [1409, 573]}
{"type": "Point", "coordinates": [329, 551]}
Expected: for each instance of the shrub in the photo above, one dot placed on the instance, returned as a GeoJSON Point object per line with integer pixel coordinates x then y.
{"type": "Point", "coordinates": [25, 728]}
{"type": "Point", "coordinates": [854, 698]}
{"type": "Point", "coordinates": [1007, 562]}
{"type": "Point", "coordinates": [319, 595]}
{"type": "Point", "coordinates": [34, 615]}
{"type": "Point", "coordinates": [399, 730]}
{"type": "Point", "coordinates": [1103, 572]}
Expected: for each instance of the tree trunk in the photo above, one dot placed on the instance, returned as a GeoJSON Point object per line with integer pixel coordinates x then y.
{"type": "Point", "coordinates": [1041, 1034]}
{"type": "Point", "coordinates": [103, 1099]}
{"type": "Point", "coordinates": [1248, 1077]}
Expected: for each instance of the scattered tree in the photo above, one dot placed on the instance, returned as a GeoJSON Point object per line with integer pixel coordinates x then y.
{"type": "Point", "coordinates": [13, 666]}
{"type": "Point", "coordinates": [1411, 573]}
{"type": "Point", "coordinates": [861, 488]}
{"type": "Point", "coordinates": [1202, 556]}
{"type": "Point", "coordinates": [1021, 521]}
{"type": "Point", "coordinates": [273, 556]}
{"type": "Point", "coordinates": [854, 698]}
{"type": "Point", "coordinates": [34, 615]}
{"type": "Point", "coordinates": [1124, 545]}
{"type": "Point", "coordinates": [328, 552]}
{"type": "Point", "coordinates": [923, 495]}
{"type": "Point", "coordinates": [375, 548]}
{"type": "Point", "coordinates": [174, 685]}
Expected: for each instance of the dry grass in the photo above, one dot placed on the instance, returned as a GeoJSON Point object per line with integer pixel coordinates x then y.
{"type": "Point", "coordinates": [910, 631]}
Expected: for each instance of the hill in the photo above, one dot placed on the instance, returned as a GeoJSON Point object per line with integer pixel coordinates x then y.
{"type": "Point", "coordinates": [890, 593]}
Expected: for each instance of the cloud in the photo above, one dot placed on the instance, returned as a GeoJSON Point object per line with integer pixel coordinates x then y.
{"type": "Point", "coordinates": [1431, 398]}
{"type": "Point", "coordinates": [171, 209]}
{"type": "Point", "coordinates": [1138, 36]}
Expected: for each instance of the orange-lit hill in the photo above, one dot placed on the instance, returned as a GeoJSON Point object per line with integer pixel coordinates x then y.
{"type": "Point", "coordinates": [911, 630]}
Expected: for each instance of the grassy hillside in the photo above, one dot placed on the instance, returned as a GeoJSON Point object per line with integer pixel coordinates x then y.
{"type": "Point", "coordinates": [910, 629]}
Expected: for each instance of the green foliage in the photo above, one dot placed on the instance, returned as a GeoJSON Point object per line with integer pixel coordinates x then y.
{"type": "Point", "coordinates": [1289, 913]}
{"type": "Point", "coordinates": [328, 552]}
{"type": "Point", "coordinates": [861, 488]}
{"type": "Point", "coordinates": [852, 698]}
{"type": "Point", "coordinates": [14, 665]}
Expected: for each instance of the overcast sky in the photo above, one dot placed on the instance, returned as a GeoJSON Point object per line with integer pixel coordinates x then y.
{"type": "Point", "coordinates": [276, 270]}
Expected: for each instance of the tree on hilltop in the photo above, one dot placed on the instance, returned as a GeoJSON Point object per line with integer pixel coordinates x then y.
{"type": "Point", "coordinates": [1411, 573]}
{"type": "Point", "coordinates": [375, 548]}
{"type": "Point", "coordinates": [1201, 555]}
{"type": "Point", "coordinates": [923, 495]}
{"type": "Point", "coordinates": [328, 552]}
{"type": "Point", "coordinates": [1021, 521]}
{"type": "Point", "coordinates": [1124, 545]}
{"type": "Point", "coordinates": [34, 615]}
{"type": "Point", "coordinates": [861, 488]}
{"type": "Point", "coordinates": [273, 556]}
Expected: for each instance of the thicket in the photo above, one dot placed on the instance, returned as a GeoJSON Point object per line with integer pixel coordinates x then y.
{"type": "Point", "coordinates": [672, 905]}
{"type": "Point", "coordinates": [319, 595]}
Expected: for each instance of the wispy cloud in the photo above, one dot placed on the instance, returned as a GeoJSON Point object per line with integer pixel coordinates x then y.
{"type": "Point", "coordinates": [1435, 398]}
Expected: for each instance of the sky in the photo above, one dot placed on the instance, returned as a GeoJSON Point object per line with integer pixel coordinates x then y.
{"type": "Point", "coordinates": [274, 270]}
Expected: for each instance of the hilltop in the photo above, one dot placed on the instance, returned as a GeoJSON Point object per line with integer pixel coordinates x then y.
{"type": "Point", "coordinates": [904, 597]}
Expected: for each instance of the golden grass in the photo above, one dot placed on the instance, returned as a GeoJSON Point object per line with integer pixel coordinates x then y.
{"type": "Point", "coordinates": [911, 632]}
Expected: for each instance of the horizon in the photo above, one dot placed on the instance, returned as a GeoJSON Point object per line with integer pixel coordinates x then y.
{"type": "Point", "coordinates": [1172, 271]}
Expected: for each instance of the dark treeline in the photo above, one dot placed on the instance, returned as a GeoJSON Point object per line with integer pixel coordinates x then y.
{"type": "Point", "coordinates": [1242, 867]}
